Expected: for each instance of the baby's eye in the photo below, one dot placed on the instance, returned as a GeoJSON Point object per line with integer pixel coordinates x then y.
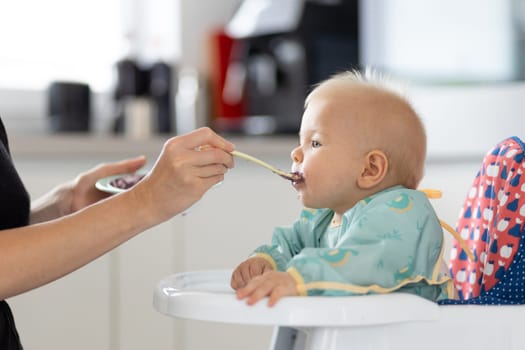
{"type": "Point", "coordinates": [316, 144]}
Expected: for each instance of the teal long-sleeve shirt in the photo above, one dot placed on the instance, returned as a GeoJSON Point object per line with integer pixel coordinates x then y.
{"type": "Point", "coordinates": [390, 241]}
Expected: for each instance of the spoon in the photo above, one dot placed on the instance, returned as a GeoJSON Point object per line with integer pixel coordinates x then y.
{"type": "Point", "coordinates": [288, 176]}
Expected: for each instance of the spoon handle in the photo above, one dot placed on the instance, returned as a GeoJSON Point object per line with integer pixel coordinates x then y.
{"type": "Point", "coordinates": [263, 164]}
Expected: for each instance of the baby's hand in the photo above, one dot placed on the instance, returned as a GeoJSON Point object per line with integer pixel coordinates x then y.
{"type": "Point", "coordinates": [247, 270]}
{"type": "Point", "coordinates": [274, 284]}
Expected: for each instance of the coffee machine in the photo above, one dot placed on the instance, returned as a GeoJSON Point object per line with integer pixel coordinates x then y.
{"type": "Point", "coordinates": [279, 50]}
{"type": "Point", "coordinates": [141, 84]}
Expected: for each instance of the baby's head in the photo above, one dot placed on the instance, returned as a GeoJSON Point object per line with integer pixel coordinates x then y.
{"type": "Point", "coordinates": [358, 136]}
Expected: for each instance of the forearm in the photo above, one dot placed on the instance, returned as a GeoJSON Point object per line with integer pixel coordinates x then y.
{"type": "Point", "coordinates": [35, 255]}
{"type": "Point", "coordinates": [286, 243]}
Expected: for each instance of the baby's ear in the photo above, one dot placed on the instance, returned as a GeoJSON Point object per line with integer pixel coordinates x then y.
{"type": "Point", "coordinates": [375, 168]}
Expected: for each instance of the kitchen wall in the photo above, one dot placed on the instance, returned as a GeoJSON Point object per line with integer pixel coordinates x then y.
{"type": "Point", "coordinates": [175, 30]}
{"type": "Point", "coordinates": [445, 41]}
{"type": "Point", "coordinates": [462, 121]}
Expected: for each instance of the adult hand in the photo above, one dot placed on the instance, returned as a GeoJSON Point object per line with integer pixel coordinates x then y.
{"type": "Point", "coordinates": [248, 269]}
{"type": "Point", "coordinates": [85, 193]}
{"type": "Point", "coordinates": [187, 167]}
{"type": "Point", "coordinates": [275, 284]}
{"type": "Point", "coordinates": [80, 192]}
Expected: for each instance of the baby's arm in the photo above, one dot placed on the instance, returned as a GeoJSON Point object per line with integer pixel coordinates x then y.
{"type": "Point", "coordinates": [265, 258]}
{"type": "Point", "coordinates": [286, 242]}
{"type": "Point", "coordinates": [380, 251]}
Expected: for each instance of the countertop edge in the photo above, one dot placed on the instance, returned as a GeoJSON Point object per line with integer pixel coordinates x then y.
{"type": "Point", "coordinates": [88, 145]}
{"type": "Point", "coordinates": [104, 146]}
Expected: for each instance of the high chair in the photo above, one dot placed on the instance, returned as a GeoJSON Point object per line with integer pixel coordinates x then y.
{"type": "Point", "coordinates": [491, 223]}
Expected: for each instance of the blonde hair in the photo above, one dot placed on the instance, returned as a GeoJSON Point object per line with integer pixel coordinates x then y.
{"type": "Point", "coordinates": [392, 114]}
{"type": "Point", "coordinates": [369, 77]}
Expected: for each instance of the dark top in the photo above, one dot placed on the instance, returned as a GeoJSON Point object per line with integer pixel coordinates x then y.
{"type": "Point", "coordinates": [14, 212]}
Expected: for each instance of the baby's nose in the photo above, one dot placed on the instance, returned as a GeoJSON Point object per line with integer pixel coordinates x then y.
{"type": "Point", "coordinates": [296, 155]}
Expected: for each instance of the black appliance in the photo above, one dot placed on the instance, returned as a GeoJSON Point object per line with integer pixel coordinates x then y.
{"type": "Point", "coordinates": [69, 106]}
{"type": "Point", "coordinates": [281, 68]}
{"type": "Point", "coordinates": [153, 81]}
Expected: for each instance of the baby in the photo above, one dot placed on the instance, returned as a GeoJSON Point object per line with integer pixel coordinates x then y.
{"type": "Point", "coordinates": [367, 229]}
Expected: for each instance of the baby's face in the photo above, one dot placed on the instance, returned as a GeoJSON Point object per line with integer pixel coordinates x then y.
{"type": "Point", "coordinates": [328, 157]}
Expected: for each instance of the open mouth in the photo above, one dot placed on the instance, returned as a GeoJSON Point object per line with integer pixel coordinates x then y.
{"type": "Point", "coordinates": [298, 178]}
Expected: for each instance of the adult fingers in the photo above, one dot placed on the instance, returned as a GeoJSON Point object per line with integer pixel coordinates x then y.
{"type": "Point", "coordinates": [175, 151]}
{"type": "Point", "coordinates": [128, 165]}
{"type": "Point", "coordinates": [204, 136]}
{"type": "Point", "coordinates": [215, 155]}
{"type": "Point", "coordinates": [121, 167]}
{"type": "Point", "coordinates": [211, 170]}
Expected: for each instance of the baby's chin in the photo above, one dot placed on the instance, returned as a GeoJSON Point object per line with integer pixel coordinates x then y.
{"type": "Point", "coordinates": [301, 198]}
{"type": "Point", "coordinates": [306, 202]}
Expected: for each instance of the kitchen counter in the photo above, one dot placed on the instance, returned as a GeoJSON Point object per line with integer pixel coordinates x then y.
{"type": "Point", "coordinates": [87, 145]}
{"type": "Point", "coordinates": [462, 123]}
{"type": "Point", "coordinates": [273, 147]}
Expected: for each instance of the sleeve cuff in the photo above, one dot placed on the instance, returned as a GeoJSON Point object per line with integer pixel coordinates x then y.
{"type": "Point", "coordinates": [299, 281]}
{"type": "Point", "coordinates": [268, 258]}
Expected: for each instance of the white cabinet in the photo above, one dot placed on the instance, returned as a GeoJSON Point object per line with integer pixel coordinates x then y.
{"type": "Point", "coordinates": [142, 262]}
{"type": "Point", "coordinates": [74, 312]}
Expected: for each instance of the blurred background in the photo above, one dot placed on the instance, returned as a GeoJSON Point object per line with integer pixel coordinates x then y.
{"type": "Point", "coordinates": [85, 82]}
{"type": "Point", "coordinates": [167, 66]}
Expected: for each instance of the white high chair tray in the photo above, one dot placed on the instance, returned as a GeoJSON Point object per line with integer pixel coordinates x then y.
{"type": "Point", "coordinates": [380, 321]}
{"type": "Point", "coordinates": [207, 296]}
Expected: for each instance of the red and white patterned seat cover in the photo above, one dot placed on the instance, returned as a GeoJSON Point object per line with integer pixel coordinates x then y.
{"type": "Point", "coordinates": [491, 223]}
